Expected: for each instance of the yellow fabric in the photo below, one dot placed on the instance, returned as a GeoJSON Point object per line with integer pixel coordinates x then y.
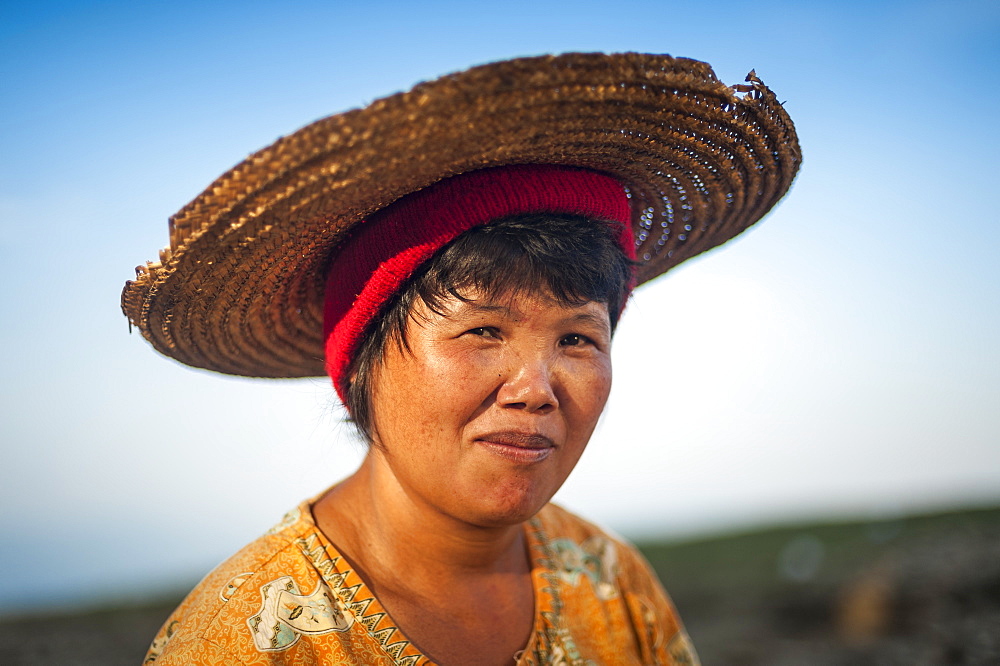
{"type": "Point", "coordinates": [290, 598]}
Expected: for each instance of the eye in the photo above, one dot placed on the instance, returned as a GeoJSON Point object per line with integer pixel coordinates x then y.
{"type": "Point", "coordinates": [574, 340]}
{"type": "Point", "coordinates": [484, 332]}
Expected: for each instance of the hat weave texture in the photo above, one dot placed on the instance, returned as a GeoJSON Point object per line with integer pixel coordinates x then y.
{"type": "Point", "coordinates": [240, 289]}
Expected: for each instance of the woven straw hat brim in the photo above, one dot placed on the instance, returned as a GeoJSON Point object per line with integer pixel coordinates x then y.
{"type": "Point", "coordinates": [240, 288]}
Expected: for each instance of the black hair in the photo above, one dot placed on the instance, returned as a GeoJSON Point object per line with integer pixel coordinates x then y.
{"type": "Point", "coordinates": [573, 259]}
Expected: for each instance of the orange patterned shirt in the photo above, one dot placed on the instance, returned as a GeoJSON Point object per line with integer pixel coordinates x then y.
{"type": "Point", "coordinates": [290, 598]}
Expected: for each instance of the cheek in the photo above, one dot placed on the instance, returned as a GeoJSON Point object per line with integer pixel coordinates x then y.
{"type": "Point", "coordinates": [592, 391]}
{"type": "Point", "coordinates": [424, 399]}
{"type": "Point", "coordinates": [605, 379]}
{"type": "Point", "coordinates": [399, 400]}
{"type": "Point", "coordinates": [602, 389]}
{"type": "Point", "coordinates": [465, 377]}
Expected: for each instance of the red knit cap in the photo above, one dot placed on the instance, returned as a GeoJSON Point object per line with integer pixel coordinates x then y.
{"type": "Point", "coordinates": [384, 250]}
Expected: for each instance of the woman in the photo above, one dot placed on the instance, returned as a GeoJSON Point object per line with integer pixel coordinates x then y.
{"type": "Point", "coordinates": [456, 259]}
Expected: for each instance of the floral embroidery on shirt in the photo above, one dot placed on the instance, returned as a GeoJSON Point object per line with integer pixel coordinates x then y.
{"type": "Point", "coordinates": [161, 640]}
{"type": "Point", "coordinates": [314, 549]}
{"type": "Point", "coordinates": [285, 614]}
{"type": "Point", "coordinates": [596, 558]}
{"type": "Point", "coordinates": [227, 592]}
{"type": "Point", "coordinates": [287, 520]}
{"type": "Point", "coordinates": [681, 650]}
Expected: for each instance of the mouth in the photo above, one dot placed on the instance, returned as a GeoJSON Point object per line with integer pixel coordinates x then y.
{"type": "Point", "coordinates": [518, 447]}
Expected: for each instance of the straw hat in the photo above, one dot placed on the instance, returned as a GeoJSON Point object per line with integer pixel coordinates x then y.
{"type": "Point", "coordinates": [240, 290]}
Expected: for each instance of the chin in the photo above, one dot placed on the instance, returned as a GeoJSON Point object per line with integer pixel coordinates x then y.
{"type": "Point", "coordinates": [511, 504]}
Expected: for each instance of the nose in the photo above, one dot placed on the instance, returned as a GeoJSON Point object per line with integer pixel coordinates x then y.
{"type": "Point", "coordinates": [529, 385]}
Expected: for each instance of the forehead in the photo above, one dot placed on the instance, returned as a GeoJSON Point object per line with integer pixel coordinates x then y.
{"type": "Point", "coordinates": [514, 306]}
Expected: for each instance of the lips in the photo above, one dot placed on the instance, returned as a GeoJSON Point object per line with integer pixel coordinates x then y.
{"type": "Point", "coordinates": [518, 447]}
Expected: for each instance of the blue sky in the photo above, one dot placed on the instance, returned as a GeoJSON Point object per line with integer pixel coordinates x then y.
{"type": "Point", "coordinates": [840, 359]}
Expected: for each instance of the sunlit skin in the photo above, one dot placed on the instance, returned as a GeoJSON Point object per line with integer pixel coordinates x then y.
{"type": "Point", "coordinates": [478, 424]}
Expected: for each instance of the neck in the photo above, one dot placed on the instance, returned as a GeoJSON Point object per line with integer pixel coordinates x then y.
{"type": "Point", "coordinates": [376, 522]}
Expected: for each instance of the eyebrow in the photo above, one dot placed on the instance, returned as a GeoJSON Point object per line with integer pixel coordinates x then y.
{"type": "Point", "coordinates": [473, 308]}
{"type": "Point", "coordinates": [590, 318]}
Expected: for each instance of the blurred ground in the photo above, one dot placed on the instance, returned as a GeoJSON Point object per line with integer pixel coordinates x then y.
{"type": "Point", "coordinates": [920, 590]}
{"type": "Point", "coordinates": [105, 637]}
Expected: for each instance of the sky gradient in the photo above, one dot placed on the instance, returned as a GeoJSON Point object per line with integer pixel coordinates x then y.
{"type": "Point", "coordinates": [840, 359]}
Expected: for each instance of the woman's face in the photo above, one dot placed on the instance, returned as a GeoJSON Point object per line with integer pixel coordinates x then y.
{"type": "Point", "coordinates": [486, 414]}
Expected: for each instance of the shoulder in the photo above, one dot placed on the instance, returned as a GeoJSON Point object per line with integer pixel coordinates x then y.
{"type": "Point", "coordinates": [618, 571]}
{"type": "Point", "coordinates": [564, 531]}
{"type": "Point", "coordinates": [215, 621]}
{"type": "Point", "coordinates": [560, 528]}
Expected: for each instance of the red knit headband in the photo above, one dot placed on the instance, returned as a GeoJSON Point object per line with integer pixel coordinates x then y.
{"type": "Point", "coordinates": [384, 250]}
